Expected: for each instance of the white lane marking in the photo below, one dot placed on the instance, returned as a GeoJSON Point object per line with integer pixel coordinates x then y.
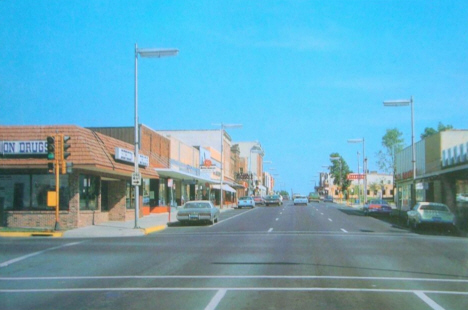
{"type": "Point", "coordinates": [277, 219]}
{"type": "Point", "coordinates": [330, 219]}
{"type": "Point", "coordinates": [344, 230]}
{"type": "Point", "coordinates": [270, 230]}
{"type": "Point", "coordinates": [321, 213]}
{"type": "Point", "coordinates": [236, 215]}
{"type": "Point", "coordinates": [216, 299]}
{"type": "Point", "coordinates": [12, 261]}
{"type": "Point", "coordinates": [71, 278]}
{"type": "Point", "coordinates": [281, 213]}
{"type": "Point", "coordinates": [428, 301]}
{"type": "Point", "coordinates": [290, 289]}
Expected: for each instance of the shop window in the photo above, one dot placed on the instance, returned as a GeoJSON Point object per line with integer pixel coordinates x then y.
{"type": "Point", "coordinates": [146, 192]}
{"type": "Point", "coordinates": [162, 192]}
{"type": "Point", "coordinates": [28, 192]}
{"type": "Point", "coordinates": [130, 196]}
{"type": "Point", "coordinates": [89, 192]}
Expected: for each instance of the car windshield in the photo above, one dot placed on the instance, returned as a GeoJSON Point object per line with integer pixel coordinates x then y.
{"type": "Point", "coordinates": [434, 207]}
{"type": "Point", "coordinates": [245, 198]}
{"type": "Point", "coordinates": [197, 205]}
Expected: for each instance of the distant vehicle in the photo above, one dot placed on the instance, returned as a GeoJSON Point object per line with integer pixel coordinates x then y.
{"type": "Point", "coordinates": [198, 211]}
{"type": "Point", "coordinates": [377, 206]}
{"type": "Point", "coordinates": [246, 202]}
{"type": "Point", "coordinates": [430, 213]}
{"type": "Point", "coordinates": [273, 200]}
{"type": "Point", "coordinates": [314, 197]}
{"type": "Point", "coordinates": [328, 199]}
{"type": "Point", "coordinates": [300, 200]}
{"type": "Point", "coordinates": [259, 200]}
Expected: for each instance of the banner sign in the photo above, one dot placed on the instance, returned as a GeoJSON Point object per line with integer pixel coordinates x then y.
{"type": "Point", "coordinates": [355, 176]}
{"type": "Point", "coordinates": [38, 147]}
{"type": "Point", "coordinates": [129, 156]}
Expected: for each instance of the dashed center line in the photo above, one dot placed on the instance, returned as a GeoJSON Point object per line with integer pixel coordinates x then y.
{"type": "Point", "coordinates": [344, 230]}
{"type": "Point", "coordinates": [330, 219]}
{"type": "Point", "coordinates": [270, 230]}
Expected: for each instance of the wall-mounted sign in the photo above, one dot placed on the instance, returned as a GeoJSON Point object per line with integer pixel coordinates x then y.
{"type": "Point", "coordinates": [355, 176]}
{"type": "Point", "coordinates": [38, 147]}
{"type": "Point", "coordinates": [128, 156]}
{"type": "Point", "coordinates": [455, 155]}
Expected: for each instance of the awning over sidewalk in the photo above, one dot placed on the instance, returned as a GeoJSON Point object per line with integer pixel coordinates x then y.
{"type": "Point", "coordinates": [226, 188]}
{"type": "Point", "coordinates": [180, 175]}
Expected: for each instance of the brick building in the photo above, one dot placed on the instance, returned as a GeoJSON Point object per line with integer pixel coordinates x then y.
{"type": "Point", "coordinates": [97, 190]}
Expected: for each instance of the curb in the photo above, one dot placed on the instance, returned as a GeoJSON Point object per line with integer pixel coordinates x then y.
{"type": "Point", "coordinates": [20, 234]}
{"type": "Point", "coordinates": [153, 229]}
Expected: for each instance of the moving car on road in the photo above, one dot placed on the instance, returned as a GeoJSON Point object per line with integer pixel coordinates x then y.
{"type": "Point", "coordinates": [314, 197]}
{"type": "Point", "coordinates": [246, 202]}
{"type": "Point", "coordinates": [198, 211]}
{"type": "Point", "coordinates": [430, 213]}
{"type": "Point", "coordinates": [273, 200]}
{"type": "Point", "coordinates": [328, 199]}
{"type": "Point", "coordinates": [259, 200]}
{"type": "Point", "coordinates": [300, 200]}
{"type": "Point", "coordinates": [377, 206]}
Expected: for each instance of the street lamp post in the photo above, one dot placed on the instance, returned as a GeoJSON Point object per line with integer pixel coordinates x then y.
{"type": "Point", "coordinates": [364, 168]}
{"type": "Point", "coordinates": [403, 103]}
{"type": "Point", "coordinates": [223, 126]}
{"type": "Point", "coordinates": [145, 53]}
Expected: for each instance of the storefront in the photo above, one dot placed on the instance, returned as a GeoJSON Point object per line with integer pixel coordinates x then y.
{"type": "Point", "coordinates": [96, 189]}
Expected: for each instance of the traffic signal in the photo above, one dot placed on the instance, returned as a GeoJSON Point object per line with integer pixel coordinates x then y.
{"type": "Point", "coordinates": [66, 146]}
{"type": "Point", "coordinates": [50, 147]}
{"type": "Point", "coordinates": [50, 167]}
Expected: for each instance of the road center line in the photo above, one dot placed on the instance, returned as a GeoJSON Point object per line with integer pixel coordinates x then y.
{"type": "Point", "coordinates": [216, 299]}
{"type": "Point", "coordinates": [277, 219]}
{"type": "Point", "coordinates": [12, 261]}
{"type": "Point", "coordinates": [429, 301]}
{"type": "Point", "coordinates": [344, 230]}
{"type": "Point", "coordinates": [270, 230]}
{"type": "Point", "coordinates": [330, 219]}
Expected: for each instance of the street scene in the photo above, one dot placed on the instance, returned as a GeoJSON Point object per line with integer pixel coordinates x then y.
{"type": "Point", "coordinates": [197, 154]}
{"type": "Point", "coordinates": [319, 255]}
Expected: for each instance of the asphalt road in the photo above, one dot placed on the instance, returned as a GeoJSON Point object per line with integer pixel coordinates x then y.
{"type": "Point", "coordinates": [319, 256]}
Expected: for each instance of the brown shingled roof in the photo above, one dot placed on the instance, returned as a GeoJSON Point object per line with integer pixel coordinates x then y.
{"type": "Point", "coordinates": [88, 149]}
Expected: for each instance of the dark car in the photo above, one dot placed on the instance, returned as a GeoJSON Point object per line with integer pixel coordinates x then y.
{"type": "Point", "coordinates": [377, 206]}
{"type": "Point", "coordinates": [328, 199]}
{"type": "Point", "coordinates": [273, 200]}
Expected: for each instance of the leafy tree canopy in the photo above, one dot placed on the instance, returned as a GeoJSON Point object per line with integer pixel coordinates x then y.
{"type": "Point", "coordinates": [429, 131]}
{"type": "Point", "coordinates": [339, 170]}
{"type": "Point", "coordinates": [392, 142]}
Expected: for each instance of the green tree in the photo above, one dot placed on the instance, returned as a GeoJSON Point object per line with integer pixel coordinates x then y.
{"type": "Point", "coordinates": [429, 131]}
{"type": "Point", "coordinates": [392, 142]}
{"type": "Point", "coordinates": [339, 170]}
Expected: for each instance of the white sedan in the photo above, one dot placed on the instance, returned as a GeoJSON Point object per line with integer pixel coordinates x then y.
{"type": "Point", "coordinates": [301, 200]}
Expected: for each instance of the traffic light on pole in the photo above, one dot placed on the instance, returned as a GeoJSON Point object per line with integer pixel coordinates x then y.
{"type": "Point", "coordinates": [50, 167]}
{"type": "Point", "coordinates": [50, 147]}
{"type": "Point", "coordinates": [66, 146]}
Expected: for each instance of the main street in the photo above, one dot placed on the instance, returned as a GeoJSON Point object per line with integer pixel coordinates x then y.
{"type": "Point", "coordinates": [319, 256]}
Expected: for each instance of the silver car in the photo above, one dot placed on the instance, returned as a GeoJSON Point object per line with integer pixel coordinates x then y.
{"type": "Point", "coordinates": [430, 213]}
{"type": "Point", "coordinates": [198, 211]}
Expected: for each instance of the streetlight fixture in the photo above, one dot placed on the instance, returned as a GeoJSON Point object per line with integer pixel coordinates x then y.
{"type": "Point", "coordinates": [145, 53]}
{"type": "Point", "coordinates": [403, 103]}
{"type": "Point", "coordinates": [223, 126]}
{"type": "Point", "coordinates": [364, 160]}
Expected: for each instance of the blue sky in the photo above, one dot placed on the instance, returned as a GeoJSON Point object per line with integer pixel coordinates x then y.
{"type": "Point", "coordinates": [302, 77]}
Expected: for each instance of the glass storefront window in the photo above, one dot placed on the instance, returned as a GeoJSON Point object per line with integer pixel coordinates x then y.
{"type": "Point", "coordinates": [89, 192]}
{"type": "Point", "coordinates": [162, 192]}
{"type": "Point", "coordinates": [130, 196]}
{"type": "Point", "coordinates": [29, 191]}
{"type": "Point", "coordinates": [146, 192]}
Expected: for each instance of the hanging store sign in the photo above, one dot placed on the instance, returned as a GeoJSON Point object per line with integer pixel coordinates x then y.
{"type": "Point", "coordinates": [38, 147]}
{"type": "Point", "coordinates": [129, 156]}
{"type": "Point", "coordinates": [355, 176]}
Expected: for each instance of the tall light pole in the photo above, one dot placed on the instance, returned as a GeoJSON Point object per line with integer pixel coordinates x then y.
{"type": "Point", "coordinates": [364, 168]}
{"type": "Point", "coordinates": [403, 103]}
{"type": "Point", "coordinates": [223, 126]}
{"type": "Point", "coordinates": [145, 53]}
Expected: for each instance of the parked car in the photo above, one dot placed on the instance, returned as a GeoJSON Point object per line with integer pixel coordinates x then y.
{"type": "Point", "coordinates": [328, 199]}
{"type": "Point", "coordinates": [246, 202]}
{"type": "Point", "coordinates": [273, 200]}
{"type": "Point", "coordinates": [314, 197]}
{"type": "Point", "coordinates": [259, 200]}
{"type": "Point", "coordinates": [430, 213]}
{"type": "Point", "coordinates": [300, 200]}
{"type": "Point", "coordinates": [377, 206]}
{"type": "Point", "coordinates": [198, 211]}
